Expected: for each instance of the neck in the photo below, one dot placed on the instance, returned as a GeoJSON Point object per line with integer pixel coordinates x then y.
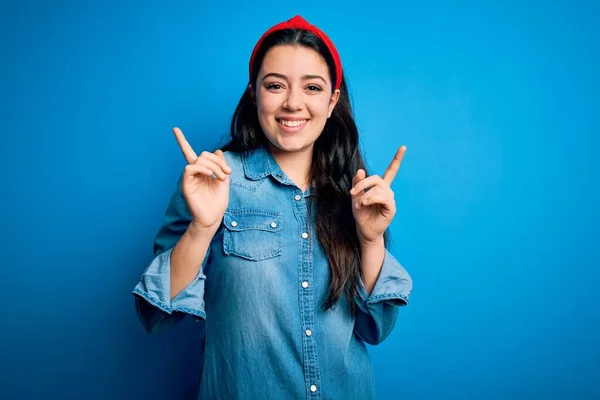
{"type": "Point", "coordinates": [296, 164]}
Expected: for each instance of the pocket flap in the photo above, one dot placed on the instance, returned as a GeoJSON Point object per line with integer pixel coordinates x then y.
{"type": "Point", "coordinates": [241, 220]}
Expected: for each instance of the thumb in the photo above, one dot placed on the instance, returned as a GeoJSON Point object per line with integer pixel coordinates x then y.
{"type": "Point", "coordinates": [360, 175]}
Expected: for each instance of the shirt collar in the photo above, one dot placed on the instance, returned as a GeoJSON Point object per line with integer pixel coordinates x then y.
{"type": "Point", "coordinates": [260, 163]}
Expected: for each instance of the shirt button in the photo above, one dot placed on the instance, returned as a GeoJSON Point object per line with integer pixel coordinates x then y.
{"type": "Point", "coordinates": [233, 223]}
{"type": "Point", "coordinates": [273, 224]}
{"type": "Point", "coordinates": [308, 332]}
{"type": "Point", "coordinates": [313, 388]}
{"type": "Point", "coordinates": [304, 235]}
{"type": "Point", "coordinates": [304, 284]}
{"type": "Point", "coordinates": [297, 197]}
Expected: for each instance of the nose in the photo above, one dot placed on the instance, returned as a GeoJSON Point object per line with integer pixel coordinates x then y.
{"type": "Point", "coordinates": [293, 101]}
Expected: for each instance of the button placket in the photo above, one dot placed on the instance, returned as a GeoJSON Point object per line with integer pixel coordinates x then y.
{"type": "Point", "coordinates": [307, 300]}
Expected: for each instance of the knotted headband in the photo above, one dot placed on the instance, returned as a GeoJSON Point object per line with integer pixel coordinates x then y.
{"type": "Point", "coordinates": [300, 23]}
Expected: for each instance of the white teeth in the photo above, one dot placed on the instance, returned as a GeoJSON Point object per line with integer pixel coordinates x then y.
{"type": "Point", "coordinates": [292, 124]}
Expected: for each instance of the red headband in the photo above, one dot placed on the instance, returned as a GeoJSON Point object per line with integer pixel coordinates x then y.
{"type": "Point", "coordinates": [300, 23]}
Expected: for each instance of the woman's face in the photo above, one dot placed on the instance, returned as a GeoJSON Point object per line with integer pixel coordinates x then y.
{"type": "Point", "coordinates": [294, 97]}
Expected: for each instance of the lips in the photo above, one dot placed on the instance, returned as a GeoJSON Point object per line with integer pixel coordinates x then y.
{"type": "Point", "coordinates": [292, 125]}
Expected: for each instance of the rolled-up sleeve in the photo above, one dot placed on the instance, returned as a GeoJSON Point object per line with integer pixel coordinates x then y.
{"type": "Point", "coordinates": [152, 293]}
{"type": "Point", "coordinates": [155, 288]}
{"type": "Point", "coordinates": [378, 311]}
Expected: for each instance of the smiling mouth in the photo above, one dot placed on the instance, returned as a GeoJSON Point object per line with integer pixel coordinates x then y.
{"type": "Point", "coordinates": [292, 124]}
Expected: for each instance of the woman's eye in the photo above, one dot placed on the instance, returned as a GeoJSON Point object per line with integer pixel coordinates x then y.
{"type": "Point", "coordinates": [274, 86]}
{"type": "Point", "coordinates": [314, 88]}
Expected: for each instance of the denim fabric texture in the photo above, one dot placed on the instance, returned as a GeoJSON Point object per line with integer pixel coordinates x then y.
{"type": "Point", "coordinates": [260, 294]}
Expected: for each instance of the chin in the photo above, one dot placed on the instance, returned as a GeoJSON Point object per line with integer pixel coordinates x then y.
{"type": "Point", "coordinates": [290, 144]}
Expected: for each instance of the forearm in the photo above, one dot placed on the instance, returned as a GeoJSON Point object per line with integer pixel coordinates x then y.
{"type": "Point", "coordinates": [372, 256]}
{"type": "Point", "coordinates": [187, 256]}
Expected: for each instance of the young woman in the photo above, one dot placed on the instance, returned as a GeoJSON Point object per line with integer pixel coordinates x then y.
{"type": "Point", "coordinates": [277, 241]}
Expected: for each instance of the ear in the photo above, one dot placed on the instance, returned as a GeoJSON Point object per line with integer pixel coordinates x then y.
{"type": "Point", "coordinates": [252, 95]}
{"type": "Point", "coordinates": [335, 97]}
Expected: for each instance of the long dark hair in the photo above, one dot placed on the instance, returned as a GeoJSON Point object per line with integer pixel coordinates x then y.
{"type": "Point", "coordinates": [336, 158]}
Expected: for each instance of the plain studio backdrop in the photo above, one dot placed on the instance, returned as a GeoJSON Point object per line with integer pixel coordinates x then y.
{"type": "Point", "coordinates": [497, 197]}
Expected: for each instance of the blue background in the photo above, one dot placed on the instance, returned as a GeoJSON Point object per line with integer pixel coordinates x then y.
{"type": "Point", "coordinates": [497, 196]}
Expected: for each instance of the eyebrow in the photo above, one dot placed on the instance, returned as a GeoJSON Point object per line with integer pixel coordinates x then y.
{"type": "Point", "coordinates": [304, 78]}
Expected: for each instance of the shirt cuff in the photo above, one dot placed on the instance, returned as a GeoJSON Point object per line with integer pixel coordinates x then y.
{"type": "Point", "coordinates": [393, 285]}
{"type": "Point", "coordinates": [155, 288]}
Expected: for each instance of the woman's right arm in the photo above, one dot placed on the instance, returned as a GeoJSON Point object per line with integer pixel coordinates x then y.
{"type": "Point", "coordinates": [188, 255]}
{"type": "Point", "coordinates": [173, 284]}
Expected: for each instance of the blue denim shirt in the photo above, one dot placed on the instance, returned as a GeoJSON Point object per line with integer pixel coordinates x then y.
{"type": "Point", "coordinates": [260, 292]}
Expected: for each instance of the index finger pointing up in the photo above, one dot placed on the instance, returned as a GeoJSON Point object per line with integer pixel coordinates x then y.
{"type": "Point", "coordinates": [186, 149]}
{"type": "Point", "coordinates": [392, 169]}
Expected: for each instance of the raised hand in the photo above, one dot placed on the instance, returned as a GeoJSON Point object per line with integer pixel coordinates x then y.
{"type": "Point", "coordinates": [373, 202]}
{"type": "Point", "coordinates": [205, 184]}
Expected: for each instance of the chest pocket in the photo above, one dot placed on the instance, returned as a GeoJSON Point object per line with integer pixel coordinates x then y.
{"type": "Point", "coordinates": [252, 234]}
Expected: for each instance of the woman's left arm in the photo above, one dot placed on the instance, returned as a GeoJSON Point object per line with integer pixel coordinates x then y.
{"type": "Point", "coordinates": [384, 283]}
{"type": "Point", "coordinates": [384, 286]}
